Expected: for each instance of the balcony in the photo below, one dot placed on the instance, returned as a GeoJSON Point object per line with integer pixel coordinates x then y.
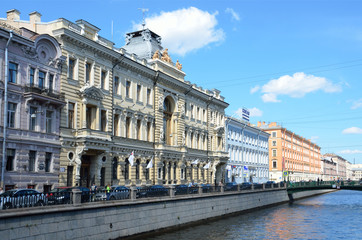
{"type": "Point", "coordinates": [44, 94]}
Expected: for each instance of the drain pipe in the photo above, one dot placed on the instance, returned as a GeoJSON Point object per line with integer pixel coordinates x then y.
{"type": "Point", "coordinates": [5, 108]}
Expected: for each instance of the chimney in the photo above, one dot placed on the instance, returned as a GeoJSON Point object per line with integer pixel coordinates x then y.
{"type": "Point", "coordinates": [259, 124]}
{"type": "Point", "coordinates": [34, 17]}
{"type": "Point", "coordinates": [13, 15]}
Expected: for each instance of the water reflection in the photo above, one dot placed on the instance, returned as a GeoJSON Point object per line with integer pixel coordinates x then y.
{"type": "Point", "coordinates": [331, 216]}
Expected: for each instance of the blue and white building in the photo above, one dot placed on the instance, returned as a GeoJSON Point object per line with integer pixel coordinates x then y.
{"type": "Point", "coordinates": [248, 150]}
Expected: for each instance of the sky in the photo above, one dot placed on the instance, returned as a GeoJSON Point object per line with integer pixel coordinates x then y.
{"type": "Point", "coordinates": [294, 62]}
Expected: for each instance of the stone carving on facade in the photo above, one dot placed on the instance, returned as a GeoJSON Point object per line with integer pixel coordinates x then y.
{"type": "Point", "coordinates": [156, 55]}
{"type": "Point", "coordinates": [160, 102]}
{"type": "Point", "coordinates": [165, 57]}
{"type": "Point", "coordinates": [29, 52]}
{"type": "Point", "coordinates": [162, 135]}
{"type": "Point", "coordinates": [128, 38]}
{"type": "Point", "coordinates": [78, 162]}
{"type": "Point", "coordinates": [91, 92]}
{"type": "Point", "coordinates": [183, 139]}
{"type": "Point", "coordinates": [178, 65]}
{"type": "Point", "coordinates": [146, 34]}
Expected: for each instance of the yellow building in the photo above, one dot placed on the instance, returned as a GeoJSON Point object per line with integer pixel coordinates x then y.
{"type": "Point", "coordinates": [291, 156]}
{"type": "Point", "coordinates": [130, 101]}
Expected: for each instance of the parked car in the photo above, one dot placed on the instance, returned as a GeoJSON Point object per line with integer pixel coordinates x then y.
{"type": "Point", "coordinates": [246, 185]}
{"type": "Point", "coordinates": [206, 188]}
{"type": "Point", "coordinates": [117, 192]}
{"type": "Point", "coordinates": [184, 189]}
{"type": "Point", "coordinates": [231, 186]}
{"type": "Point", "coordinates": [152, 191]}
{"type": "Point", "coordinates": [269, 184]}
{"type": "Point", "coordinates": [62, 195]}
{"type": "Point", "coordinates": [21, 198]}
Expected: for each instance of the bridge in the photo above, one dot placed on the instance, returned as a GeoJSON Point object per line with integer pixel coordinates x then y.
{"type": "Point", "coordinates": [293, 187]}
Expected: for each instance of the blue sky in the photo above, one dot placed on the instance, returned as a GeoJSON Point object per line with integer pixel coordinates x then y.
{"type": "Point", "coordinates": [298, 63]}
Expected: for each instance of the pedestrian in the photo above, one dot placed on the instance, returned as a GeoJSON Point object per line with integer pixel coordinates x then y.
{"type": "Point", "coordinates": [108, 190]}
{"type": "Point", "coordinates": [93, 191]}
{"type": "Point", "coordinates": [1, 190]}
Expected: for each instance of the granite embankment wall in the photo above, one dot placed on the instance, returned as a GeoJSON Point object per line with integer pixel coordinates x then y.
{"type": "Point", "coordinates": [111, 220]}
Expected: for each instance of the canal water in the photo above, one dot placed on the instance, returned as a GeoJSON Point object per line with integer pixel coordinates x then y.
{"type": "Point", "coordinates": [336, 215]}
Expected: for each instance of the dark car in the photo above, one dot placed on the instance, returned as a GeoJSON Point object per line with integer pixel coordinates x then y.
{"type": "Point", "coordinates": [22, 198]}
{"type": "Point", "coordinates": [231, 186]}
{"type": "Point", "coordinates": [269, 184]}
{"type": "Point", "coordinates": [206, 188]}
{"type": "Point", "coordinates": [246, 185]}
{"type": "Point", "coordinates": [184, 189]}
{"type": "Point", "coordinates": [152, 191]}
{"type": "Point", "coordinates": [63, 195]}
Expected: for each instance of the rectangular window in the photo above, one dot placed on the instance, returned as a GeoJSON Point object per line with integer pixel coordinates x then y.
{"type": "Point", "coordinates": [51, 82]}
{"type": "Point", "coordinates": [128, 123]}
{"type": "Point", "coordinates": [11, 114]}
{"type": "Point", "coordinates": [274, 152]}
{"type": "Point", "coordinates": [103, 120]}
{"type": "Point", "coordinates": [128, 89]}
{"type": "Point", "coordinates": [48, 161]}
{"type": "Point", "coordinates": [71, 115]}
{"type": "Point", "coordinates": [103, 79]}
{"type": "Point", "coordinates": [274, 143]}
{"type": "Point", "coordinates": [148, 96]}
{"type": "Point", "coordinates": [204, 115]}
{"type": "Point", "coordinates": [197, 113]}
{"type": "Point", "coordinates": [274, 164]}
{"type": "Point", "coordinates": [13, 72]}
{"type": "Point", "coordinates": [116, 85]}
{"type": "Point", "coordinates": [71, 68]}
{"type": "Point", "coordinates": [88, 68]}
{"type": "Point", "coordinates": [32, 158]}
{"type": "Point", "coordinates": [31, 76]}
{"type": "Point", "coordinates": [88, 117]}
{"type": "Point", "coordinates": [33, 118]}
{"type": "Point", "coordinates": [116, 124]}
{"type": "Point", "coordinates": [10, 158]}
{"type": "Point", "coordinates": [49, 122]}
{"type": "Point", "coordinates": [274, 134]}
{"type": "Point", "coordinates": [148, 131]}
{"type": "Point", "coordinates": [138, 92]}
{"type": "Point", "coordinates": [139, 129]}
{"type": "Point", "coordinates": [41, 79]}
{"type": "Point", "coordinates": [192, 111]}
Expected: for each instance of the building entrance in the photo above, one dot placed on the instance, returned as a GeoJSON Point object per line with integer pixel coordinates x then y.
{"type": "Point", "coordinates": [85, 171]}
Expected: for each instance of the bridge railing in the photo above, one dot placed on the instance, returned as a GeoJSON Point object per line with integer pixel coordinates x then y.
{"type": "Point", "coordinates": [134, 193]}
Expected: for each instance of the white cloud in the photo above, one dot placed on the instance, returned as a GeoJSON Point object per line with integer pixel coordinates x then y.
{"type": "Point", "coordinates": [348, 151]}
{"type": "Point", "coordinates": [185, 30]}
{"type": "Point", "coordinates": [255, 112]}
{"type": "Point", "coordinates": [357, 104]}
{"type": "Point", "coordinates": [254, 89]}
{"type": "Point", "coordinates": [234, 15]}
{"type": "Point", "coordinates": [296, 86]}
{"type": "Point", "coordinates": [270, 97]}
{"type": "Point", "coordinates": [352, 130]}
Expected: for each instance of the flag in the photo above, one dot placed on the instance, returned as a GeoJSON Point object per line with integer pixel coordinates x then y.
{"type": "Point", "coordinates": [207, 166]}
{"type": "Point", "coordinates": [130, 159]}
{"type": "Point", "coordinates": [150, 164]}
{"type": "Point", "coordinates": [195, 162]}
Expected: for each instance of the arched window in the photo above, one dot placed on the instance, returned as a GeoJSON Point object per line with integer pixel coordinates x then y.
{"type": "Point", "coordinates": [114, 168]}
{"type": "Point", "coordinates": [126, 170]}
{"type": "Point", "coordinates": [138, 169]}
{"type": "Point", "coordinates": [167, 116]}
{"type": "Point", "coordinates": [174, 171]}
{"type": "Point", "coordinates": [147, 172]}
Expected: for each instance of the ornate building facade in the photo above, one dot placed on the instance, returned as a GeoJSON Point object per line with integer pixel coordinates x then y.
{"type": "Point", "coordinates": [130, 117]}
{"type": "Point", "coordinates": [31, 103]}
{"type": "Point", "coordinates": [248, 152]}
{"type": "Point", "coordinates": [334, 167]}
{"type": "Point", "coordinates": [292, 154]}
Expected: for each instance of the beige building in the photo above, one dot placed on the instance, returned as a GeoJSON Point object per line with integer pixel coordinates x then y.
{"type": "Point", "coordinates": [339, 169]}
{"type": "Point", "coordinates": [130, 100]}
{"type": "Point", "coordinates": [292, 154]}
